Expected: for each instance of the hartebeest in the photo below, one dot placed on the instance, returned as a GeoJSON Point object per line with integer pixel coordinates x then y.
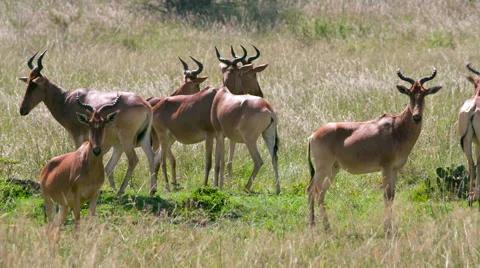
{"type": "Point", "coordinates": [184, 118]}
{"type": "Point", "coordinates": [131, 129]}
{"type": "Point", "coordinates": [469, 127]}
{"type": "Point", "coordinates": [240, 80]}
{"type": "Point", "coordinates": [382, 144]}
{"type": "Point", "coordinates": [242, 119]}
{"type": "Point", "coordinates": [72, 179]}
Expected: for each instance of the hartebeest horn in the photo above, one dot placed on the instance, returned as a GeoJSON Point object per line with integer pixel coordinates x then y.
{"type": "Point", "coordinates": [185, 67]}
{"type": "Point", "coordinates": [84, 105]}
{"type": "Point", "coordinates": [408, 79]}
{"type": "Point", "coordinates": [241, 59]}
{"type": "Point", "coordinates": [110, 105]}
{"type": "Point", "coordinates": [472, 69]}
{"type": "Point", "coordinates": [236, 57]}
{"type": "Point", "coordinates": [30, 61]}
{"type": "Point", "coordinates": [39, 62]}
{"type": "Point", "coordinates": [249, 60]}
{"type": "Point", "coordinates": [428, 78]}
{"type": "Point", "coordinates": [227, 62]}
{"type": "Point", "coordinates": [200, 67]}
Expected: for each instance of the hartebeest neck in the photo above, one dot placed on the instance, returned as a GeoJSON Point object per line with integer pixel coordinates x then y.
{"type": "Point", "coordinates": [55, 100]}
{"type": "Point", "coordinates": [406, 131]}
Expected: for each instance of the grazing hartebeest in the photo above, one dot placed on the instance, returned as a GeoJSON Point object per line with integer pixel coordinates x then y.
{"type": "Point", "coordinates": [131, 128]}
{"type": "Point", "coordinates": [184, 118]}
{"type": "Point", "coordinates": [242, 119]}
{"type": "Point", "coordinates": [469, 127]}
{"type": "Point", "coordinates": [240, 80]}
{"type": "Point", "coordinates": [382, 144]}
{"type": "Point", "coordinates": [72, 179]}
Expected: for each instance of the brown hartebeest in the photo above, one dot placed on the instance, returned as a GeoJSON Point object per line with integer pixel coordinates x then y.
{"type": "Point", "coordinates": [240, 80]}
{"type": "Point", "coordinates": [242, 119]}
{"type": "Point", "coordinates": [382, 144]}
{"type": "Point", "coordinates": [72, 179]}
{"type": "Point", "coordinates": [130, 129]}
{"type": "Point", "coordinates": [469, 127]}
{"type": "Point", "coordinates": [184, 118]}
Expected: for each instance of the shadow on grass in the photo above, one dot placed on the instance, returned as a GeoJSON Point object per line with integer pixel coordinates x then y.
{"type": "Point", "coordinates": [151, 204]}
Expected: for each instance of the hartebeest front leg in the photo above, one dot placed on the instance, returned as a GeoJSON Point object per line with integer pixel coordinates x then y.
{"type": "Point", "coordinates": [110, 167]}
{"type": "Point", "coordinates": [132, 163]}
{"type": "Point", "coordinates": [147, 148]}
{"type": "Point", "coordinates": [230, 163]}
{"type": "Point", "coordinates": [208, 156]}
{"type": "Point", "coordinates": [389, 180]}
{"type": "Point", "coordinates": [93, 204]}
{"type": "Point", "coordinates": [219, 160]}
{"type": "Point", "coordinates": [467, 150]}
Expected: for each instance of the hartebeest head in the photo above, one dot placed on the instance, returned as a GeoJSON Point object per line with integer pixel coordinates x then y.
{"type": "Point", "coordinates": [231, 72]}
{"type": "Point", "coordinates": [474, 80]}
{"type": "Point", "coordinates": [417, 93]}
{"type": "Point", "coordinates": [35, 85]}
{"type": "Point", "coordinates": [191, 83]}
{"type": "Point", "coordinates": [249, 76]}
{"type": "Point", "coordinates": [96, 122]}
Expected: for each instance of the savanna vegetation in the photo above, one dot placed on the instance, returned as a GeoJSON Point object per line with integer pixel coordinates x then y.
{"type": "Point", "coordinates": [328, 61]}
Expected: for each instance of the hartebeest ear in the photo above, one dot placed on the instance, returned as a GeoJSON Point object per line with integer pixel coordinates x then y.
{"type": "Point", "coordinates": [200, 79]}
{"type": "Point", "coordinates": [260, 68]}
{"type": "Point", "coordinates": [403, 90]}
{"type": "Point", "coordinates": [246, 68]}
{"type": "Point", "coordinates": [111, 117]}
{"type": "Point", "coordinates": [471, 79]}
{"type": "Point", "coordinates": [23, 79]}
{"type": "Point", "coordinates": [223, 66]}
{"type": "Point", "coordinates": [82, 118]}
{"type": "Point", "coordinates": [433, 90]}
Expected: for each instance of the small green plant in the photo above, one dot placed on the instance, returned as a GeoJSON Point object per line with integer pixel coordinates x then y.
{"type": "Point", "coordinates": [453, 180]}
{"type": "Point", "coordinates": [207, 198]}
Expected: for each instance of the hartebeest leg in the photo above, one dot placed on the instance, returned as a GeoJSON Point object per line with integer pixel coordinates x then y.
{"type": "Point", "coordinates": [110, 167]}
{"type": "Point", "coordinates": [219, 160]}
{"type": "Point", "coordinates": [61, 216]}
{"type": "Point", "coordinates": [147, 148]}
{"type": "Point", "coordinates": [318, 189]}
{"type": "Point", "coordinates": [230, 163]}
{"type": "Point", "coordinates": [257, 160]}
{"type": "Point", "coordinates": [270, 137]}
{"type": "Point", "coordinates": [49, 209]}
{"type": "Point", "coordinates": [132, 163]}
{"type": "Point", "coordinates": [173, 163]}
{"type": "Point", "coordinates": [93, 204]}
{"type": "Point", "coordinates": [208, 157]}
{"type": "Point", "coordinates": [467, 150]}
{"type": "Point", "coordinates": [389, 180]}
{"type": "Point", "coordinates": [76, 209]}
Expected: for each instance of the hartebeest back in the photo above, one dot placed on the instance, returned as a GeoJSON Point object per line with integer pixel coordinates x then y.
{"type": "Point", "coordinates": [72, 179]}
{"type": "Point", "coordinates": [131, 129]}
{"type": "Point", "coordinates": [469, 129]}
{"type": "Point", "coordinates": [382, 144]}
{"type": "Point", "coordinates": [184, 118]}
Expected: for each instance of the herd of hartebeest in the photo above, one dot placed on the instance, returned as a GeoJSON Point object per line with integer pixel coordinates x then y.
{"type": "Point", "coordinates": [98, 121]}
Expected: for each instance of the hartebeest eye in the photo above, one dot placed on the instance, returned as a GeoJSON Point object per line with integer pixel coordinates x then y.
{"type": "Point", "coordinates": [82, 118]}
{"type": "Point", "coordinates": [111, 117]}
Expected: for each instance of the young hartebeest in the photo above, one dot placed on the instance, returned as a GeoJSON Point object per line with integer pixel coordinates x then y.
{"type": "Point", "coordinates": [242, 119]}
{"type": "Point", "coordinates": [72, 179]}
{"type": "Point", "coordinates": [382, 144]}
{"type": "Point", "coordinates": [131, 129]}
{"type": "Point", "coordinates": [469, 127]}
{"type": "Point", "coordinates": [184, 118]}
{"type": "Point", "coordinates": [240, 80]}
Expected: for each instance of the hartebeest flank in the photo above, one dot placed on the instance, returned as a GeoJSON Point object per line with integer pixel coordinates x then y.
{"type": "Point", "coordinates": [184, 118]}
{"type": "Point", "coordinates": [131, 129]}
{"type": "Point", "coordinates": [240, 80]}
{"type": "Point", "coordinates": [382, 144]}
{"type": "Point", "coordinates": [469, 129]}
{"type": "Point", "coordinates": [72, 179]}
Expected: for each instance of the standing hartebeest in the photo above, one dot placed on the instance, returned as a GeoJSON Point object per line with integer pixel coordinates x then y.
{"type": "Point", "coordinates": [469, 127]}
{"type": "Point", "coordinates": [130, 129]}
{"type": "Point", "coordinates": [184, 118]}
{"type": "Point", "coordinates": [382, 144]}
{"type": "Point", "coordinates": [240, 80]}
{"type": "Point", "coordinates": [242, 119]}
{"type": "Point", "coordinates": [72, 179]}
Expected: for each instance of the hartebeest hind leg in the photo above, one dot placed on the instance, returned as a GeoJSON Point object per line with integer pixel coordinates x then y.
{"type": "Point", "coordinates": [389, 180]}
{"type": "Point", "coordinates": [219, 160]}
{"type": "Point", "coordinates": [271, 140]}
{"type": "Point", "coordinates": [49, 209]}
{"type": "Point", "coordinates": [132, 163]}
{"type": "Point", "coordinates": [147, 148]}
{"type": "Point", "coordinates": [208, 156]}
{"type": "Point", "coordinates": [467, 140]}
{"type": "Point", "coordinates": [230, 163]}
{"type": "Point", "coordinates": [257, 159]}
{"type": "Point", "coordinates": [110, 167]}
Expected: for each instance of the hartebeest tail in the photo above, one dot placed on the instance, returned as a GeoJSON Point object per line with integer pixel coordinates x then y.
{"type": "Point", "coordinates": [382, 144]}
{"type": "Point", "coordinates": [469, 131]}
{"type": "Point", "coordinates": [74, 178]}
{"type": "Point", "coordinates": [132, 124]}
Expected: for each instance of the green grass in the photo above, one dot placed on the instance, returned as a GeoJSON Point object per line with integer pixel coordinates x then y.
{"type": "Point", "coordinates": [328, 61]}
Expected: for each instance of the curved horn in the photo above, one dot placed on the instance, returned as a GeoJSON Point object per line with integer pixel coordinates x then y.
{"type": "Point", "coordinates": [408, 79]}
{"type": "Point", "coordinates": [428, 78]}
{"type": "Point", "coordinates": [30, 61]}
{"type": "Point", "coordinates": [227, 62]}
{"type": "Point", "coordinates": [242, 59]}
{"type": "Point", "coordinates": [249, 60]}
{"type": "Point", "coordinates": [84, 105]}
{"type": "Point", "coordinates": [185, 66]}
{"type": "Point", "coordinates": [39, 61]}
{"type": "Point", "coordinates": [200, 67]}
{"type": "Point", "coordinates": [115, 101]}
{"type": "Point", "coordinates": [472, 69]}
{"type": "Point", "coordinates": [233, 52]}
